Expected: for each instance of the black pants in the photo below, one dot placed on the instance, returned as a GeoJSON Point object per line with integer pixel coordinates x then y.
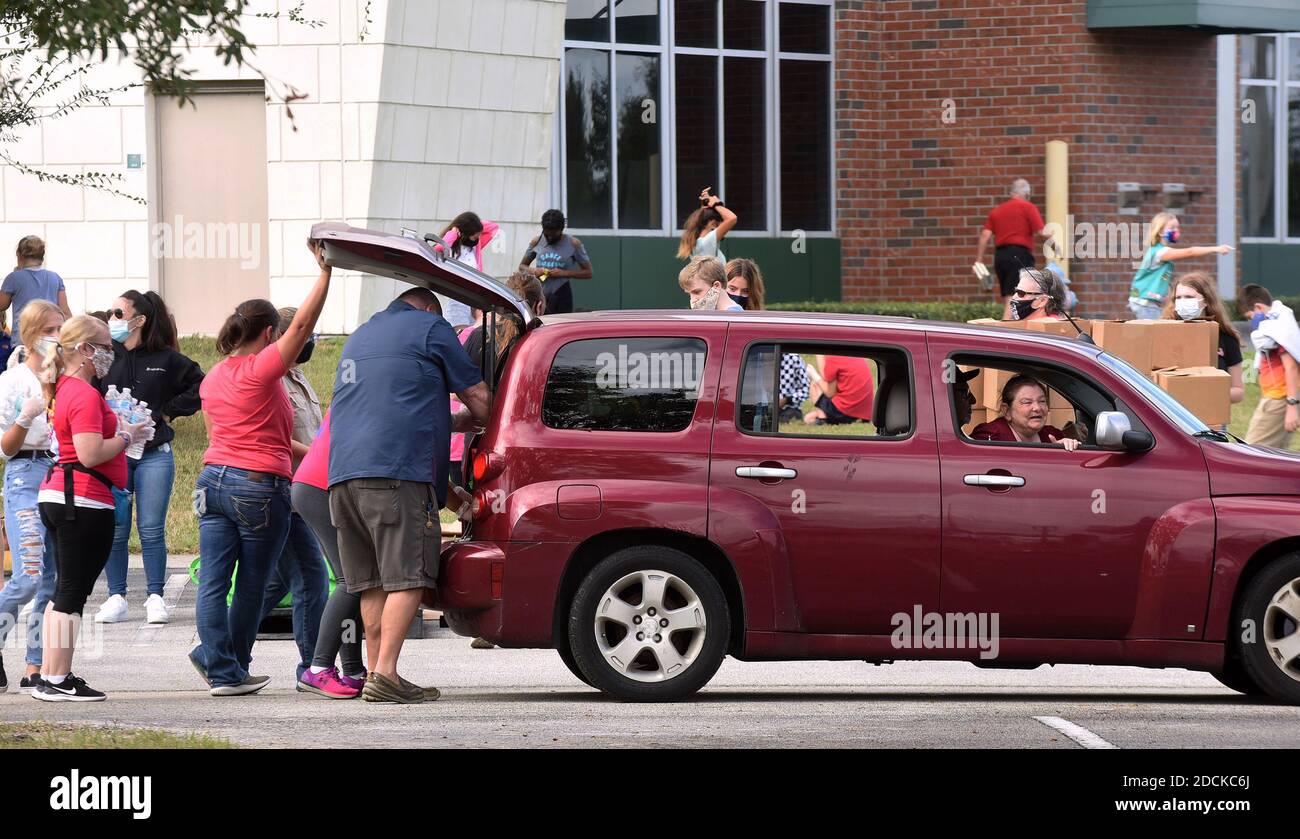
{"type": "Point", "coordinates": [1008, 260]}
{"type": "Point", "coordinates": [559, 297]}
{"type": "Point", "coordinates": [81, 549]}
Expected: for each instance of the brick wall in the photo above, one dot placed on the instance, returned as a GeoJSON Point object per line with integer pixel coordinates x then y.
{"type": "Point", "coordinates": [912, 190]}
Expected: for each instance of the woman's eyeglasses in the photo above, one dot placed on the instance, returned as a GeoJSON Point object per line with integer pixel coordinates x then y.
{"type": "Point", "coordinates": [1023, 295]}
{"type": "Point", "coordinates": [118, 313]}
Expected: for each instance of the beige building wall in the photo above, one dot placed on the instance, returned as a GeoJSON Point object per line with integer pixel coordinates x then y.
{"type": "Point", "coordinates": [425, 109]}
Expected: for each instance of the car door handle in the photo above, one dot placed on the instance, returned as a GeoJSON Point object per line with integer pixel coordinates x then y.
{"type": "Point", "coordinates": [764, 472]}
{"type": "Point", "coordinates": [994, 481]}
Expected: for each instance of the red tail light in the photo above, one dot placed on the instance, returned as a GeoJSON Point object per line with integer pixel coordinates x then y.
{"type": "Point", "coordinates": [487, 466]}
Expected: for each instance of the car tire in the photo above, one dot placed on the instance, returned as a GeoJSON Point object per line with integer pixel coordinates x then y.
{"type": "Point", "coordinates": [566, 655]}
{"type": "Point", "coordinates": [1234, 676]}
{"type": "Point", "coordinates": [1267, 621]}
{"type": "Point", "coordinates": [636, 589]}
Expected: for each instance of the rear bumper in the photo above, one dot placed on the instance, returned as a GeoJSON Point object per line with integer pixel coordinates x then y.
{"type": "Point", "coordinates": [466, 594]}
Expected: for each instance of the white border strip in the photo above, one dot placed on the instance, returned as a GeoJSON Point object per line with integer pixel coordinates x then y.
{"type": "Point", "coordinates": [1077, 733]}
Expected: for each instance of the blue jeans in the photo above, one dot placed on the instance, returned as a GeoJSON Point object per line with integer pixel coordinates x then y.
{"type": "Point", "coordinates": [149, 479]}
{"type": "Point", "coordinates": [32, 549]}
{"type": "Point", "coordinates": [1145, 309]}
{"type": "Point", "coordinates": [301, 571]}
{"type": "Point", "coordinates": [240, 521]}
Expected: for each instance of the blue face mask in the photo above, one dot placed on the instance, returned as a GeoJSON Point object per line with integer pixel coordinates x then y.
{"type": "Point", "coordinates": [119, 329]}
{"type": "Point", "coordinates": [1257, 318]}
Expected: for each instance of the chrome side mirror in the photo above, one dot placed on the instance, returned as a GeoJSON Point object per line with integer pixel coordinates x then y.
{"type": "Point", "coordinates": [1111, 428]}
{"type": "Point", "coordinates": [1116, 434]}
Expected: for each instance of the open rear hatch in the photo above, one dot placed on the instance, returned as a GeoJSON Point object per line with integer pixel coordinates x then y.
{"type": "Point", "coordinates": [415, 261]}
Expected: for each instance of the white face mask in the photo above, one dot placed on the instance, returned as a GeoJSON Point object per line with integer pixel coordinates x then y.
{"type": "Point", "coordinates": [47, 345]}
{"type": "Point", "coordinates": [1189, 307]}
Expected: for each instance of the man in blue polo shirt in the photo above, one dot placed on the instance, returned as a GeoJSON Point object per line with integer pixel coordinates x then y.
{"type": "Point", "coordinates": [390, 428]}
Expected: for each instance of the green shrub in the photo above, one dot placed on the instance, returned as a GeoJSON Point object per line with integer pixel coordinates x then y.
{"type": "Point", "coordinates": [950, 310]}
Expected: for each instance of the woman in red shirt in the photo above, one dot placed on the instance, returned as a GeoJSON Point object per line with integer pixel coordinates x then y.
{"type": "Point", "coordinates": [242, 494]}
{"type": "Point", "coordinates": [77, 497]}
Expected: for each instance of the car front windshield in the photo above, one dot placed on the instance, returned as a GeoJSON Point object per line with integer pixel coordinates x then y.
{"type": "Point", "coordinates": [1169, 406]}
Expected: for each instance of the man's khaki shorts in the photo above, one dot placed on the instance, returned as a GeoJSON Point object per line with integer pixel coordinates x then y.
{"type": "Point", "coordinates": [388, 533]}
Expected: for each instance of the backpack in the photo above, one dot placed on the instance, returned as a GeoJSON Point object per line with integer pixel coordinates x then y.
{"type": "Point", "coordinates": [1151, 282]}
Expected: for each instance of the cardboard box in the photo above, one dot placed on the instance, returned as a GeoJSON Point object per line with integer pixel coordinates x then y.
{"type": "Point", "coordinates": [1184, 344]}
{"type": "Point", "coordinates": [1060, 417]}
{"type": "Point", "coordinates": [1202, 390]}
{"type": "Point", "coordinates": [1047, 325]}
{"type": "Point", "coordinates": [1130, 340]}
{"type": "Point", "coordinates": [978, 416]}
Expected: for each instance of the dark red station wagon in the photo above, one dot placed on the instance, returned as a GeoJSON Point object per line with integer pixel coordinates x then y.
{"type": "Point", "coordinates": [644, 512]}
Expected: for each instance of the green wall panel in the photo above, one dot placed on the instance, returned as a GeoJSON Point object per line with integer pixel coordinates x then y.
{"type": "Point", "coordinates": [640, 272]}
{"type": "Point", "coordinates": [1215, 15]}
{"type": "Point", "coordinates": [1272, 266]}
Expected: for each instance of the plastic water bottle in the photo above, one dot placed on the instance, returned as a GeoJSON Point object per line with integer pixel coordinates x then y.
{"type": "Point", "coordinates": [112, 396]}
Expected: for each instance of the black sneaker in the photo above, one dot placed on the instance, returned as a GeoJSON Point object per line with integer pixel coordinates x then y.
{"type": "Point", "coordinates": [30, 683]}
{"type": "Point", "coordinates": [4, 680]}
{"type": "Point", "coordinates": [71, 689]}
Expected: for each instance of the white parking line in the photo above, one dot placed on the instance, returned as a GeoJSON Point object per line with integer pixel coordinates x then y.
{"type": "Point", "coordinates": [1077, 733]}
{"type": "Point", "coordinates": [172, 589]}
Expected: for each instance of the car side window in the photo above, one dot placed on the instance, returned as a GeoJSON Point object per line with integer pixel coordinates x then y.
{"type": "Point", "coordinates": [1064, 405]}
{"type": "Point", "coordinates": [624, 384]}
{"type": "Point", "coordinates": [825, 390]}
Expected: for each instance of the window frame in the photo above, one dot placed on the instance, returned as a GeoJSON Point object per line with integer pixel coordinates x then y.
{"type": "Point", "coordinates": [864, 350]}
{"type": "Point", "coordinates": [667, 51]}
{"type": "Point", "coordinates": [1279, 89]}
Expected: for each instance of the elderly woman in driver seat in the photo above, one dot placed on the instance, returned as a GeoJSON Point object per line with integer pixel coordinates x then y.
{"type": "Point", "coordinates": [1024, 417]}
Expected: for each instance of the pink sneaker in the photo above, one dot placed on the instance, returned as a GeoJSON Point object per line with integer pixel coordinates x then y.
{"type": "Point", "coordinates": [328, 684]}
{"type": "Point", "coordinates": [355, 684]}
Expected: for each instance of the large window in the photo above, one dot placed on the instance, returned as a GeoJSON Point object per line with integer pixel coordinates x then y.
{"type": "Point", "coordinates": [667, 97]}
{"type": "Point", "coordinates": [1270, 137]}
{"type": "Point", "coordinates": [624, 384]}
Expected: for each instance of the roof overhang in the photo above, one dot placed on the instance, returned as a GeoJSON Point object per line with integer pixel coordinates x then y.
{"type": "Point", "coordinates": [1214, 17]}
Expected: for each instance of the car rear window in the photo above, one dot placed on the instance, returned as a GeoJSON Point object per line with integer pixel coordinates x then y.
{"type": "Point", "coordinates": [624, 384]}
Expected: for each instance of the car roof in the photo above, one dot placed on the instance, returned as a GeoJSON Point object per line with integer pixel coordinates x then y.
{"type": "Point", "coordinates": [906, 324]}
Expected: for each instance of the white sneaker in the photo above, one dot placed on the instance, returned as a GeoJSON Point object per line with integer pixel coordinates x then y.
{"type": "Point", "coordinates": [26, 610]}
{"type": "Point", "coordinates": [113, 610]}
{"type": "Point", "coordinates": [155, 610]}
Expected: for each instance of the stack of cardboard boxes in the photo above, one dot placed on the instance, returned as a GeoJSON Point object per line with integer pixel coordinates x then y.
{"type": "Point", "coordinates": [1181, 357]}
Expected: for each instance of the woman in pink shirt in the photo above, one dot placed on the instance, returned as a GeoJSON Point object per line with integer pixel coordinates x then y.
{"type": "Point", "coordinates": [242, 495]}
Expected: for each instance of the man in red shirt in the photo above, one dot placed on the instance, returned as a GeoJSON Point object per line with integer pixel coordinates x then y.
{"type": "Point", "coordinates": [1012, 225]}
{"type": "Point", "coordinates": [844, 393]}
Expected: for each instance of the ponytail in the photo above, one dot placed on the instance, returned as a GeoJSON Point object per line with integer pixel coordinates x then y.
{"type": "Point", "coordinates": [159, 330]}
{"type": "Point", "coordinates": [251, 318]}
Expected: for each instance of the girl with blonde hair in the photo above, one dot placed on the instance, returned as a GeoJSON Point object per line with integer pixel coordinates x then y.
{"type": "Point", "coordinates": [1156, 270]}
{"type": "Point", "coordinates": [78, 496]}
{"type": "Point", "coordinates": [25, 441]}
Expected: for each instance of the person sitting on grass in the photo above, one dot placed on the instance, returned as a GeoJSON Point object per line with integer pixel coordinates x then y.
{"type": "Point", "coordinates": [842, 392]}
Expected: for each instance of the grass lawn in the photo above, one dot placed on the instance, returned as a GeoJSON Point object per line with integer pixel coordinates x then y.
{"type": "Point", "coordinates": [190, 442]}
{"type": "Point", "coordinates": [43, 735]}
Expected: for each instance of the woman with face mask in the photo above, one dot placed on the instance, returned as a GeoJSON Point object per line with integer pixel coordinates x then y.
{"type": "Point", "coordinates": [77, 498]}
{"type": "Point", "coordinates": [1156, 271]}
{"type": "Point", "coordinates": [147, 359]}
{"type": "Point", "coordinates": [26, 444]}
{"type": "Point", "coordinates": [1195, 297]}
{"type": "Point", "coordinates": [242, 494]}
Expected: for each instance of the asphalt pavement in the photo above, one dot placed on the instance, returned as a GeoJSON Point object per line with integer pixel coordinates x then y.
{"type": "Point", "coordinates": [527, 698]}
